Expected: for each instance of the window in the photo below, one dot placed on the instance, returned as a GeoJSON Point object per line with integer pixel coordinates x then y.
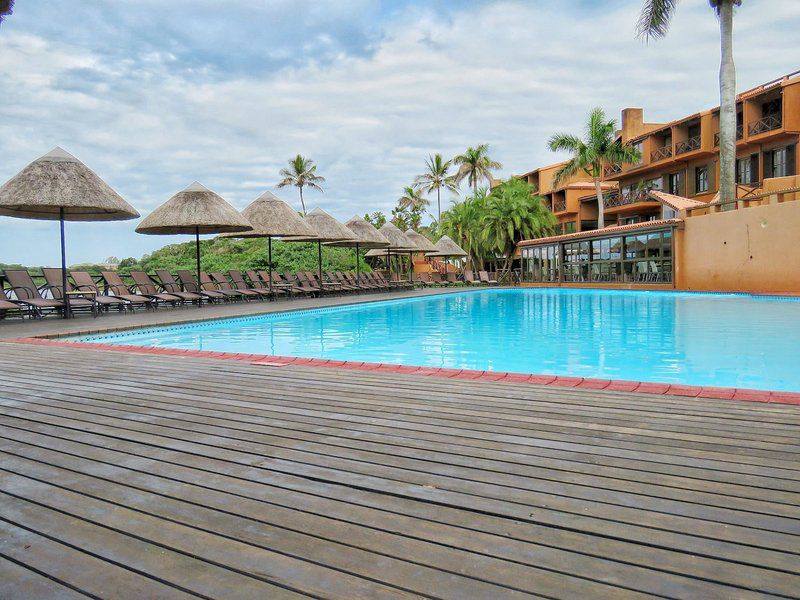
{"type": "Point", "coordinates": [570, 227]}
{"type": "Point", "coordinates": [773, 107]}
{"type": "Point", "coordinates": [779, 162]}
{"type": "Point", "coordinates": [743, 168]}
{"type": "Point", "coordinates": [629, 220]}
{"type": "Point", "coordinates": [701, 179]}
{"type": "Point", "coordinates": [668, 212]}
{"type": "Point", "coordinates": [638, 146]}
{"type": "Point", "coordinates": [542, 264]}
{"type": "Point", "coordinates": [657, 183]}
{"type": "Point", "coordinates": [674, 183]}
{"type": "Point", "coordinates": [693, 131]}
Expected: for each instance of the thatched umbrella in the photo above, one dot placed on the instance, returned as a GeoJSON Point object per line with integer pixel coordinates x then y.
{"type": "Point", "coordinates": [423, 243]}
{"type": "Point", "coordinates": [326, 229]}
{"type": "Point", "coordinates": [272, 217]}
{"type": "Point", "coordinates": [400, 243]}
{"type": "Point", "coordinates": [367, 236]}
{"type": "Point", "coordinates": [194, 210]}
{"type": "Point", "coordinates": [58, 186]}
{"type": "Point", "coordinates": [445, 248]}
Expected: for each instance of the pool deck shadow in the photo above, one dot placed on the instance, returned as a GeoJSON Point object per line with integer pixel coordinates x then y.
{"type": "Point", "coordinates": [142, 476]}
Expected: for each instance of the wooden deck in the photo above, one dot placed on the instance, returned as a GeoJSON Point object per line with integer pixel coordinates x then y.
{"type": "Point", "coordinates": [132, 476]}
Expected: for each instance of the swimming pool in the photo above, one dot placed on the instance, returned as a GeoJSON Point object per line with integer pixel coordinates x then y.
{"type": "Point", "coordinates": [724, 340]}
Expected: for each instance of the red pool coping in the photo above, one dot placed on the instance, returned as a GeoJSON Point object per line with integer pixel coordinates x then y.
{"type": "Point", "coordinates": [584, 383]}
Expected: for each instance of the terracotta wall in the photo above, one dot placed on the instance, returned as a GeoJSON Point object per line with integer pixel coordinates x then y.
{"type": "Point", "coordinates": [753, 249]}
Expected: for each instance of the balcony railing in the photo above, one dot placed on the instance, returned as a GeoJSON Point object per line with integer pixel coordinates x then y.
{"type": "Point", "coordinates": [767, 123]}
{"type": "Point", "coordinates": [610, 170]}
{"type": "Point", "coordinates": [693, 143]}
{"type": "Point", "coordinates": [616, 198]}
{"type": "Point", "coordinates": [559, 205]}
{"type": "Point", "coordinates": [661, 153]}
{"type": "Point", "coordinates": [739, 134]}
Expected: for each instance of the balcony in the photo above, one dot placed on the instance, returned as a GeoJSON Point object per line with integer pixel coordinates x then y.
{"type": "Point", "coordinates": [692, 143]}
{"type": "Point", "coordinates": [764, 124]}
{"type": "Point", "coordinates": [559, 205]}
{"type": "Point", "coordinates": [616, 198]}
{"type": "Point", "coordinates": [610, 170]}
{"type": "Point", "coordinates": [739, 134]}
{"type": "Point", "coordinates": [661, 153]}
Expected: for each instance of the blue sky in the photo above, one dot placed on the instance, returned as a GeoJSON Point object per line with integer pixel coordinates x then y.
{"type": "Point", "coordinates": [153, 95]}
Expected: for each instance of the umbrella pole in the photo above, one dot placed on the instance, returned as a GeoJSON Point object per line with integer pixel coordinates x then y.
{"type": "Point", "coordinates": [269, 246]}
{"type": "Point", "coordinates": [64, 297]}
{"type": "Point", "coordinates": [319, 262]}
{"type": "Point", "coordinates": [197, 256]}
{"type": "Point", "coordinates": [389, 264]}
{"type": "Point", "coordinates": [358, 269]}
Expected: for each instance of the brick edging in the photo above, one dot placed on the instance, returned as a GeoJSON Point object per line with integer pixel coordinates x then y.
{"type": "Point", "coordinates": [616, 385]}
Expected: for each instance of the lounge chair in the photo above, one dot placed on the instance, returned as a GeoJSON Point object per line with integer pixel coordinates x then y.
{"type": "Point", "coordinates": [279, 282]}
{"type": "Point", "coordinates": [436, 278]}
{"type": "Point", "coordinates": [346, 286]}
{"type": "Point", "coordinates": [240, 284]}
{"type": "Point", "coordinates": [484, 276]}
{"type": "Point", "coordinates": [469, 278]}
{"type": "Point", "coordinates": [54, 284]}
{"type": "Point", "coordinates": [190, 285]}
{"type": "Point", "coordinates": [26, 293]}
{"type": "Point", "coordinates": [373, 281]}
{"type": "Point", "coordinates": [171, 286]}
{"type": "Point", "coordinates": [313, 279]}
{"type": "Point", "coordinates": [120, 289]}
{"type": "Point", "coordinates": [7, 305]}
{"type": "Point", "coordinates": [84, 281]}
{"type": "Point", "coordinates": [262, 282]}
{"type": "Point", "coordinates": [303, 283]}
{"type": "Point", "coordinates": [224, 286]}
{"type": "Point", "coordinates": [148, 287]}
{"type": "Point", "coordinates": [452, 277]}
{"type": "Point", "coordinates": [360, 281]}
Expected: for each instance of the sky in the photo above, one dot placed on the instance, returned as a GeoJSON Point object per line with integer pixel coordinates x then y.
{"type": "Point", "coordinates": [153, 95]}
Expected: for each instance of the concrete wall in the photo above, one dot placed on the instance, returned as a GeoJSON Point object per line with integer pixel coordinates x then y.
{"type": "Point", "coordinates": [753, 249]}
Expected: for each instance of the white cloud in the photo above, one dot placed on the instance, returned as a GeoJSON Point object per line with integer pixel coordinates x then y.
{"type": "Point", "coordinates": [507, 73]}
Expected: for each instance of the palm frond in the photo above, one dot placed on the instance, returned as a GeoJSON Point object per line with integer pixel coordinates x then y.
{"type": "Point", "coordinates": [6, 9]}
{"type": "Point", "coordinates": [655, 18]}
{"type": "Point", "coordinates": [564, 142]}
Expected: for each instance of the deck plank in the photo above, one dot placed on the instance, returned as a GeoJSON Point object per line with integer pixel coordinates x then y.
{"type": "Point", "coordinates": [206, 476]}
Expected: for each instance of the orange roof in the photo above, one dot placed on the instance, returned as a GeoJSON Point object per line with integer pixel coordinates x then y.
{"type": "Point", "coordinates": [675, 202]}
{"type": "Point", "coordinates": [596, 232]}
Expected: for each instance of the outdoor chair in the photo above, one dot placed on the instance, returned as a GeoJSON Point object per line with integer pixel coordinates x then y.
{"type": "Point", "coordinates": [170, 286]}
{"type": "Point", "coordinates": [26, 293]}
{"type": "Point", "coordinates": [147, 287]}
{"type": "Point", "coordinates": [190, 284]}
{"type": "Point", "coordinates": [436, 279]}
{"type": "Point", "coordinates": [7, 305]}
{"type": "Point", "coordinates": [217, 281]}
{"type": "Point", "coordinates": [452, 277]}
{"type": "Point", "coordinates": [240, 284]}
{"type": "Point", "coordinates": [84, 281]}
{"type": "Point", "coordinates": [345, 285]}
{"type": "Point", "coordinates": [361, 282]}
{"type": "Point", "coordinates": [121, 290]}
{"type": "Point", "coordinates": [282, 283]}
{"type": "Point", "coordinates": [484, 276]}
{"type": "Point", "coordinates": [469, 278]}
{"type": "Point", "coordinates": [76, 303]}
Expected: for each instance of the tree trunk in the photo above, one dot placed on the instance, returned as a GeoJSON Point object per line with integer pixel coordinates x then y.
{"type": "Point", "coordinates": [438, 205]}
{"type": "Point", "coordinates": [601, 222]}
{"type": "Point", "coordinates": [303, 204]}
{"type": "Point", "coordinates": [727, 105]}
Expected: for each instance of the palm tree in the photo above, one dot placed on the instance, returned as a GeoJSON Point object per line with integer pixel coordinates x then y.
{"type": "Point", "coordinates": [513, 213]}
{"type": "Point", "coordinates": [462, 224]}
{"type": "Point", "coordinates": [411, 200]}
{"type": "Point", "coordinates": [601, 147]}
{"type": "Point", "coordinates": [436, 178]}
{"type": "Point", "coordinates": [654, 23]}
{"type": "Point", "coordinates": [475, 165]}
{"type": "Point", "coordinates": [6, 8]}
{"type": "Point", "coordinates": [302, 172]}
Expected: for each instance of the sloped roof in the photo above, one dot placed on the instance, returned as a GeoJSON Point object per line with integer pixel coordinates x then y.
{"type": "Point", "coordinates": [675, 202]}
{"type": "Point", "coordinates": [597, 232]}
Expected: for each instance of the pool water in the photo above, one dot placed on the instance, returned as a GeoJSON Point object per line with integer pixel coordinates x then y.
{"type": "Point", "coordinates": [722, 340]}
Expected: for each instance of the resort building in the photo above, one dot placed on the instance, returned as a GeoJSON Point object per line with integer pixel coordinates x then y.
{"type": "Point", "coordinates": [663, 216]}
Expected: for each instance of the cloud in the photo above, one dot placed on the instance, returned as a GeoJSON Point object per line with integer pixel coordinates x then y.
{"type": "Point", "coordinates": [154, 95]}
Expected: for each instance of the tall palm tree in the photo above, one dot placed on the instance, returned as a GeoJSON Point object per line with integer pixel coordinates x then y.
{"type": "Point", "coordinates": [461, 223]}
{"type": "Point", "coordinates": [412, 200]}
{"type": "Point", "coordinates": [475, 165]}
{"type": "Point", "coordinates": [600, 147]}
{"type": "Point", "coordinates": [435, 178]}
{"type": "Point", "coordinates": [513, 213]}
{"type": "Point", "coordinates": [6, 8]}
{"type": "Point", "coordinates": [302, 172]}
{"type": "Point", "coordinates": [654, 23]}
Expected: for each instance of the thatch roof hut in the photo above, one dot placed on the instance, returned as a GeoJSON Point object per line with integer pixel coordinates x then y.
{"type": "Point", "coordinates": [194, 210]}
{"type": "Point", "coordinates": [272, 217]}
{"type": "Point", "coordinates": [399, 241]}
{"type": "Point", "coordinates": [446, 247]}
{"type": "Point", "coordinates": [423, 243]}
{"type": "Point", "coordinates": [59, 184]}
{"type": "Point", "coordinates": [366, 235]}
